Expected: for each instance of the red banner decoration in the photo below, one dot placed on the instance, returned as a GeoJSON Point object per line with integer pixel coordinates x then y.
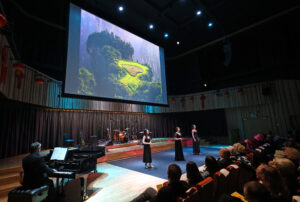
{"type": "Point", "coordinates": [3, 21]}
{"type": "Point", "coordinates": [202, 98]}
{"type": "Point", "coordinates": [19, 74]}
{"type": "Point", "coordinates": [40, 80]}
{"type": "Point", "coordinates": [182, 102]}
{"type": "Point", "coordinates": [173, 100]}
{"type": "Point", "coordinates": [4, 66]}
{"type": "Point", "coordinates": [191, 99]}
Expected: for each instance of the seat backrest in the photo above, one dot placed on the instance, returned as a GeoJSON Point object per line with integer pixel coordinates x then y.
{"type": "Point", "coordinates": [206, 190]}
{"type": "Point", "coordinates": [233, 178]}
{"type": "Point", "coordinates": [219, 184]}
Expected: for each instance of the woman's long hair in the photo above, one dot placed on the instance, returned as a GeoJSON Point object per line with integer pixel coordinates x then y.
{"type": "Point", "coordinates": [192, 173]}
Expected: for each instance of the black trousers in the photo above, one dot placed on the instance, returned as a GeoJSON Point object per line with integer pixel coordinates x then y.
{"type": "Point", "coordinates": [148, 195]}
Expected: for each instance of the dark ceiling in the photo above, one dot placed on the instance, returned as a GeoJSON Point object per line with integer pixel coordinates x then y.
{"type": "Point", "coordinates": [38, 28]}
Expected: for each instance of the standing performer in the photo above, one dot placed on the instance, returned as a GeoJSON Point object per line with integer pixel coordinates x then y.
{"type": "Point", "coordinates": [196, 147]}
{"type": "Point", "coordinates": [147, 149]}
{"type": "Point", "coordinates": [178, 147]}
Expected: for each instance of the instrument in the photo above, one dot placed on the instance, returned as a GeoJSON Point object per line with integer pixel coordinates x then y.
{"type": "Point", "coordinates": [78, 165]}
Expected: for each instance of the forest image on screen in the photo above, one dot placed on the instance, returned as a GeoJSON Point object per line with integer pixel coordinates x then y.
{"type": "Point", "coordinates": [113, 63]}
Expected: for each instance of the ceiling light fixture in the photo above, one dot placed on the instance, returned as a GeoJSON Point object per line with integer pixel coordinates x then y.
{"type": "Point", "coordinates": [198, 12]}
{"type": "Point", "coordinates": [121, 8]}
{"type": "Point", "coordinates": [166, 35]}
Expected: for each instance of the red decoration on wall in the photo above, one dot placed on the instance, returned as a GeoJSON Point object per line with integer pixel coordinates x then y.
{"type": "Point", "coordinates": [240, 91]}
{"type": "Point", "coordinates": [40, 80]}
{"type": "Point", "coordinates": [173, 100]}
{"type": "Point", "coordinates": [226, 93]}
{"type": "Point", "coordinates": [182, 101]}
{"type": "Point", "coordinates": [191, 99]}
{"type": "Point", "coordinates": [202, 98]}
{"type": "Point", "coordinates": [3, 21]}
{"type": "Point", "coordinates": [4, 66]}
{"type": "Point", "coordinates": [19, 74]}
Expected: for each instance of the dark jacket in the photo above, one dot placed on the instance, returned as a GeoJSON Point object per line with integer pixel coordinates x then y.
{"type": "Point", "coordinates": [35, 171]}
{"type": "Point", "coordinates": [223, 163]}
{"type": "Point", "coordinates": [172, 191]}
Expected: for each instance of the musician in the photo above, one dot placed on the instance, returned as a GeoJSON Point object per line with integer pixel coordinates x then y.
{"type": "Point", "coordinates": [147, 149]}
{"type": "Point", "coordinates": [36, 170]}
{"type": "Point", "coordinates": [196, 147]}
{"type": "Point", "coordinates": [178, 147]}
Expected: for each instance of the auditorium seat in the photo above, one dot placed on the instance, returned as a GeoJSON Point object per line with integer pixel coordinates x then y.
{"type": "Point", "coordinates": [220, 183]}
{"type": "Point", "coordinates": [233, 177]}
{"type": "Point", "coordinates": [28, 195]}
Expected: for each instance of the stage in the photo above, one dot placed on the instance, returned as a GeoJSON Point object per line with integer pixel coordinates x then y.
{"type": "Point", "coordinates": [120, 176]}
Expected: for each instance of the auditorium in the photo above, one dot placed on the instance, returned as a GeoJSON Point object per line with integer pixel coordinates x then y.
{"type": "Point", "coordinates": [149, 100]}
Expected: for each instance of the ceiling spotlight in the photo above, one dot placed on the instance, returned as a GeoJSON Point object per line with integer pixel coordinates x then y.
{"type": "Point", "coordinates": [121, 8]}
{"type": "Point", "coordinates": [210, 24]}
{"type": "Point", "coordinates": [205, 85]}
{"type": "Point", "coordinates": [177, 42]}
{"type": "Point", "coordinates": [198, 12]}
{"type": "Point", "coordinates": [166, 35]}
{"type": "Point", "coordinates": [151, 26]}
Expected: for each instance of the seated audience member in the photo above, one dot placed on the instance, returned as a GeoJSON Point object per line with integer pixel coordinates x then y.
{"type": "Point", "coordinates": [272, 180]}
{"type": "Point", "coordinates": [256, 192]}
{"type": "Point", "coordinates": [36, 171]}
{"type": "Point", "coordinates": [193, 174]}
{"type": "Point", "coordinates": [224, 159]}
{"type": "Point", "coordinates": [287, 170]}
{"type": "Point", "coordinates": [293, 154]}
{"type": "Point", "coordinates": [211, 166]}
{"type": "Point", "coordinates": [238, 154]}
{"type": "Point", "coordinates": [171, 192]}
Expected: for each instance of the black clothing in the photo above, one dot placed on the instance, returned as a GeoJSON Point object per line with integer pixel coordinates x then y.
{"type": "Point", "coordinates": [147, 151]}
{"type": "Point", "coordinates": [208, 173]}
{"type": "Point", "coordinates": [35, 171]}
{"type": "Point", "coordinates": [223, 163]}
{"type": "Point", "coordinates": [196, 147]}
{"type": "Point", "coordinates": [172, 191]}
{"type": "Point", "coordinates": [178, 149]}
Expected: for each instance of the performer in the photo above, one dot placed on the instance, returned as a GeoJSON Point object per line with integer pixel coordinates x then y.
{"type": "Point", "coordinates": [178, 147]}
{"type": "Point", "coordinates": [147, 149]}
{"type": "Point", "coordinates": [196, 147]}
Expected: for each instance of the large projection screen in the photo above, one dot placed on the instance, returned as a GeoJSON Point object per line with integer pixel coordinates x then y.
{"type": "Point", "coordinates": [106, 61]}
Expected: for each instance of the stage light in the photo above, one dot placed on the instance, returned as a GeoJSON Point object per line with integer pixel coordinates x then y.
{"type": "Point", "coordinates": [210, 24]}
{"type": "Point", "coordinates": [205, 85]}
{"type": "Point", "coordinates": [166, 35]}
{"type": "Point", "coordinates": [151, 26]}
{"type": "Point", "coordinates": [121, 8]}
{"type": "Point", "coordinates": [177, 42]}
{"type": "Point", "coordinates": [198, 12]}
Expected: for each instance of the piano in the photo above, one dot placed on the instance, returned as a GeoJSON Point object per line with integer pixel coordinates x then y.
{"type": "Point", "coordinates": [77, 164]}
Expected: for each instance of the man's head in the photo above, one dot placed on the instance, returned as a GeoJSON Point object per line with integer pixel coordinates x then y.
{"type": "Point", "coordinates": [255, 192]}
{"type": "Point", "coordinates": [35, 147]}
{"type": "Point", "coordinates": [224, 153]}
{"type": "Point", "coordinates": [174, 173]}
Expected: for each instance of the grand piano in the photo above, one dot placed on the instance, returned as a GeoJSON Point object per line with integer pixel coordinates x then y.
{"type": "Point", "coordinates": [75, 163]}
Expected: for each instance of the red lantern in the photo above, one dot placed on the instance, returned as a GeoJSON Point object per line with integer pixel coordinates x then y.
{"type": "Point", "coordinates": [3, 21]}
{"type": "Point", "coordinates": [182, 102]}
{"type": "Point", "coordinates": [202, 98]}
{"type": "Point", "coordinates": [226, 93]}
{"type": "Point", "coordinates": [40, 80]}
{"type": "Point", "coordinates": [4, 66]}
{"type": "Point", "coordinates": [19, 66]}
{"type": "Point", "coordinates": [191, 99]}
{"type": "Point", "coordinates": [240, 91]}
{"type": "Point", "coordinates": [173, 100]}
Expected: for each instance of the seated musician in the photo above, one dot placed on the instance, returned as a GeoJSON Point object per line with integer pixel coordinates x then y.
{"type": "Point", "coordinates": [36, 171]}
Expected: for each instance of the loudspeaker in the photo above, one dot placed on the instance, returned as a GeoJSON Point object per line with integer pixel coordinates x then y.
{"type": "Point", "coordinates": [266, 91]}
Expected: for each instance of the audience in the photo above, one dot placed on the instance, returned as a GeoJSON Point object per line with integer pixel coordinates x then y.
{"type": "Point", "coordinates": [211, 166]}
{"type": "Point", "coordinates": [224, 159]}
{"type": "Point", "coordinates": [193, 174]}
{"type": "Point", "coordinates": [171, 192]}
{"type": "Point", "coordinates": [256, 192]}
{"type": "Point", "coordinates": [238, 154]}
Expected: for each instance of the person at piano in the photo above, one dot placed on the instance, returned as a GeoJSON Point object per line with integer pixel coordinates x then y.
{"type": "Point", "coordinates": [147, 158]}
{"type": "Point", "coordinates": [36, 171]}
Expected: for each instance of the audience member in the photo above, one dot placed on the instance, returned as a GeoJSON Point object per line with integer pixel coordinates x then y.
{"type": "Point", "coordinates": [293, 154]}
{"type": "Point", "coordinates": [256, 192]}
{"type": "Point", "coordinates": [193, 174]}
{"type": "Point", "coordinates": [224, 159]}
{"type": "Point", "coordinates": [211, 166]}
{"type": "Point", "coordinates": [238, 154]}
{"type": "Point", "coordinates": [171, 192]}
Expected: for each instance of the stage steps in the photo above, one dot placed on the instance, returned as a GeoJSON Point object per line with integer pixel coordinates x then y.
{"type": "Point", "coordinates": [10, 178]}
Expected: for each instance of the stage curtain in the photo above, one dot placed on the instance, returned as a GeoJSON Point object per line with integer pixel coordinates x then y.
{"type": "Point", "coordinates": [21, 124]}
